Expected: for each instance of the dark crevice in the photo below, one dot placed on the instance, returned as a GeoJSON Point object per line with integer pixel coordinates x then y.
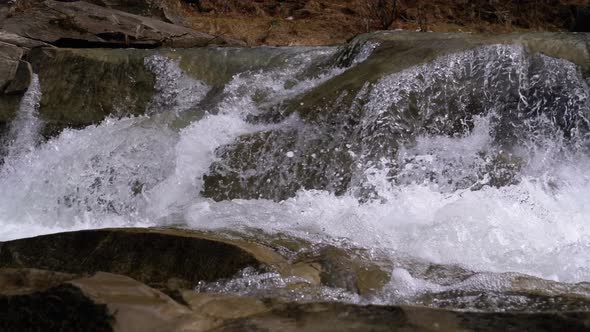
{"type": "Point", "coordinates": [62, 308]}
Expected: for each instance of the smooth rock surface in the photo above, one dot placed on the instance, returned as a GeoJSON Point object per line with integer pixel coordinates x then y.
{"type": "Point", "coordinates": [21, 80]}
{"type": "Point", "coordinates": [10, 56]}
{"type": "Point", "coordinates": [134, 306]}
{"type": "Point", "coordinates": [20, 41]}
{"type": "Point", "coordinates": [81, 24]}
{"type": "Point", "coordinates": [100, 83]}
{"type": "Point", "coordinates": [151, 256]}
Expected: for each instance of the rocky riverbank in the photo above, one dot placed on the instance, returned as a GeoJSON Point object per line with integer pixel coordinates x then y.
{"type": "Point", "coordinates": [157, 280]}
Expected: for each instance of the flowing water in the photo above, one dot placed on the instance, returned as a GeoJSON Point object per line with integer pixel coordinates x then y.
{"type": "Point", "coordinates": [478, 159]}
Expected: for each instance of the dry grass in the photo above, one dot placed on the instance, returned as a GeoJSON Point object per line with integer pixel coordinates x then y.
{"type": "Point", "coordinates": [322, 22]}
{"type": "Point", "coordinates": [314, 22]}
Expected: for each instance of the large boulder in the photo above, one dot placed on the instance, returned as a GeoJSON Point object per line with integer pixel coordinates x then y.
{"type": "Point", "coordinates": [411, 84]}
{"type": "Point", "coordinates": [99, 83]}
{"type": "Point", "coordinates": [22, 79]}
{"type": "Point", "coordinates": [155, 257]}
{"type": "Point", "coordinates": [81, 24]}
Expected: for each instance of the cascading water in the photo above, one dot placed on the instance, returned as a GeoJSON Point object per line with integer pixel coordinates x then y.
{"type": "Point", "coordinates": [24, 130]}
{"type": "Point", "coordinates": [478, 159]}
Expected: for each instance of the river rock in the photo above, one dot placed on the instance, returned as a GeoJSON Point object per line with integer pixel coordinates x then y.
{"type": "Point", "coordinates": [100, 83]}
{"type": "Point", "coordinates": [23, 281]}
{"type": "Point", "coordinates": [81, 24]}
{"type": "Point", "coordinates": [8, 108]}
{"type": "Point", "coordinates": [133, 305]}
{"type": "Point", "coordinates": [10, 56]}
{"type": "Point", "coordinates": [9, 68]}
{"type": "Point", "coordinates": [154, 257]}
{"type": "Point", "coordinates": [408, 86]}
{"type": "Point", "coordinates": [110, 302]}
{"type": "Point", "coordinates": [22, 79]}
{"type": "Point", "coordinates": [300, 159]}
{"type": "Point", "coordinates": [164, 258]}
{"type": "Point", "coordinates": [20, 41]}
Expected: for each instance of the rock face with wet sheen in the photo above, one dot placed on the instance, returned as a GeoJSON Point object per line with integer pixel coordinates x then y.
{"type": "Point", "coordinates": [412, 85]}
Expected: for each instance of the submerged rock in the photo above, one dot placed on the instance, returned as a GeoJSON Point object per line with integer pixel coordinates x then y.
{"type": "Point", "coordinates": [276, 164]}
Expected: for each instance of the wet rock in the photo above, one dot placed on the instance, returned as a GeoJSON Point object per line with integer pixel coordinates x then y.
{"type": "Point", "coordinates": [347, 269]}
{"type": "Point", "coordinates": [22, 79]}
{"type": "Point", "coordinates": [397, 51]}
{"type": "Point", "coordinates": [107, 302]}
{"type": "Point", "coordinates": [224, 307]}
{"type": "Point", "coordinates": [13, 77]}
{"type": "Point", "coordinates": [150, 256]}
{"type": "Point", "coordinates": [411, 86]}
{"type": "Point", "coordinates": [81, 24]}
{"type": "Point", "coordinates": [99, 83]}
{"type": "Point", "coordinates": [276, 164]}
{"type": "Point", "coordinates": [42, 299]}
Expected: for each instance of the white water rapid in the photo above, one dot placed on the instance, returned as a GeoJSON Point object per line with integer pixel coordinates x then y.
{"type": "Point", "coordinates": [437, 197]}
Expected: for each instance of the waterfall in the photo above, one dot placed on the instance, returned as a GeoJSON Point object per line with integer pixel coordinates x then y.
{"type": "Point", "coordinates": [25, 129]}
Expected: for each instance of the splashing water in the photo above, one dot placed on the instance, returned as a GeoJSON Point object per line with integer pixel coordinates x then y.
{"type": "Point", "coordinates": [478, 159]}
{"type": "Point", "coordinates": [175, 91]}
{"type": "Point", "coordinates": [24, 130]}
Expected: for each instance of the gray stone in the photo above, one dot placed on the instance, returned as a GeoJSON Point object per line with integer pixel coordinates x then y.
{"type": "Point", "coordinates": [10, 56]}
{"type": "Point", "coordinates": [81, 24]}
{"type": "Point", "coordinates": [22, 79]}
{"type": "Point", "coordinates": [17, 40]}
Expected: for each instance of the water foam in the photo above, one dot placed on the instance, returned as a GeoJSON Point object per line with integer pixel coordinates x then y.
{"type": "Point", "coordinates": [134, 171]}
